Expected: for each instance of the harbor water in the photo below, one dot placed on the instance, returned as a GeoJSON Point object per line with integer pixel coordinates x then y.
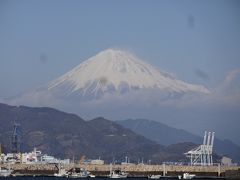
{"type": "Point", "coordinates": [97, 178]}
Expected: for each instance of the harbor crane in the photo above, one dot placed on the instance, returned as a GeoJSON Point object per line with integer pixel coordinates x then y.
{"type": "Point", "coordinates": [202, 155]}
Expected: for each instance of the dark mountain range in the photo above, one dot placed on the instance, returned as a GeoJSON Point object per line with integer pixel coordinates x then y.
{"type": "Point", "coordinates": [167, 135]}
{"type": "Point", "coordinates": [159, 132]}
{"type": "Point", "coordinates": [64, 135]}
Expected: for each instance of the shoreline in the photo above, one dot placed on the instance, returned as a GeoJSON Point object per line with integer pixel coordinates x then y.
{"type": "Point", "coordinates": [132, 169]}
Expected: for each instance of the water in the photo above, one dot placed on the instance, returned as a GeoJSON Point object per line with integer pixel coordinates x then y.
{"type": "Point", "coordinates": [50, 178]}
{"type": "Point", "coordinates": [62, 178]}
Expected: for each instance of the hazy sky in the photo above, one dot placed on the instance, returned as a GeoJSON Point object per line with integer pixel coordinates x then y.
{"type": "Point", "coordinates": [198, 41]}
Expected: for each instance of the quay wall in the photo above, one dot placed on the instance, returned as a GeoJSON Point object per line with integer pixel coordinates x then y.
{"type": "Point", "coordinates": [144, 169]}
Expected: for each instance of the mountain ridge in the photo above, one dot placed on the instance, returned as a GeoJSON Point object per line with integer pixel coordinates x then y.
{"type": "Point", "coordinates": [66, 135]}
{"type": "Point", "coordinates": [157, 131]}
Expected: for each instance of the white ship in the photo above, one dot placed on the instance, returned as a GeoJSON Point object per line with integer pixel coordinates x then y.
{"type": "Point", "coordinates": [5, 172]}
{"type": "Point", "coordinates": [188, 176]}
{"type": "Point", "coordinates": [158, 176]}
{"type": "Point", "coordinates": [81, 174]}
{"type": "Point", "coordinates": [117, 173]}
{"type": "Point", "coordinates": [61, 172]}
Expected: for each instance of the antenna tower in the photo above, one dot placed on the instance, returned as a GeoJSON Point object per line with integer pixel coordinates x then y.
{"type": "Point", "coordinates": [16, 138]}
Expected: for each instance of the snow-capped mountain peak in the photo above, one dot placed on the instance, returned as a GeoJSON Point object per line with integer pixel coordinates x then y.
{"type": "Point", "coordinates": [114, 70]}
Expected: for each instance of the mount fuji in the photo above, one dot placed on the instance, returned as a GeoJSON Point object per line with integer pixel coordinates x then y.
{"type": "Point", "coordinates": [117, 85]}
{"type": "Point", "coordinates": [111, 73]}
{"type": "Point", "coordinates": [116, 71]}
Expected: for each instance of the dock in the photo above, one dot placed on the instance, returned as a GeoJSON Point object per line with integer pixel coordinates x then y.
{"type": "Point", "coordinates": [133, 169]}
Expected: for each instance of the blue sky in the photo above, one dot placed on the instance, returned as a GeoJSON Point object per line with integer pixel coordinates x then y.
{"type": "Point", "coordinates": [198, 41]}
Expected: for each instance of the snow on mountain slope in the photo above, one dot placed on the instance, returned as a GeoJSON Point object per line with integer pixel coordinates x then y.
{"type": "Point", "coordinates": [112, 71]}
